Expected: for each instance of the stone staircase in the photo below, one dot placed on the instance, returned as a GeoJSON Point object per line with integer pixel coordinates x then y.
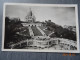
{"type": "Point", "coordinates": [30, 31]}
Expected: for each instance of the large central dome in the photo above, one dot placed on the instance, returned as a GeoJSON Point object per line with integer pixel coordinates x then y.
{"type": "Point", "coordinates": [30, 17]}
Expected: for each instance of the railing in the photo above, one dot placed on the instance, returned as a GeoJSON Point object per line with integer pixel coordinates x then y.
{"type": "Point", "coordinates": [43, 43]}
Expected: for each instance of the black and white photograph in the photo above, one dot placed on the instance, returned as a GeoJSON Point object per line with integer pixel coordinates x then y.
{"type": "Point", "coordinates": [40, 27]}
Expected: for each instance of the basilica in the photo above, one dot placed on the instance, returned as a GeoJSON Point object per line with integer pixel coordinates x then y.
{"type": "Point", "coordinates": [30, 20]}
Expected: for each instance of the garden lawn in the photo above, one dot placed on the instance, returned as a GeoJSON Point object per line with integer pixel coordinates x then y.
{"type": "Point", "coordinates": [47, 32]}
{"type": "Point", "coordinates": [36, 31]}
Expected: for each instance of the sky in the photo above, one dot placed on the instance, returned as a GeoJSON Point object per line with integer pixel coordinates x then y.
{"type": "Point", "coordinates": [59, 15]}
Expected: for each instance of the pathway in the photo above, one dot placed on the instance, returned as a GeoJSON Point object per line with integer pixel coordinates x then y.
{"type": "Point", "coordinates": [30, 31]}
{"type": "Point", "coordinates": [41, 31]}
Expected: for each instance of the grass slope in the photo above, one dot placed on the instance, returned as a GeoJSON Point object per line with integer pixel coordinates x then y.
{"type": "Point", "coordinates": [36, 31]}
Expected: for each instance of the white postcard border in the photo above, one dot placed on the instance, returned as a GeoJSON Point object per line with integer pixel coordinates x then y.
{"type": "Point", "coordinates": [48, 5]}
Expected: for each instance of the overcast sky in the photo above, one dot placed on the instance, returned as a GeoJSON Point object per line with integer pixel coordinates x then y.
{"type": "Point", "coordinates": [59, 15]}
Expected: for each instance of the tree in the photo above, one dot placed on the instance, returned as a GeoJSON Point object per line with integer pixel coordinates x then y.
{"type": "Point", "coordinates": [60, 32]}
{"type": "Point", "coordinates": [11, 27]}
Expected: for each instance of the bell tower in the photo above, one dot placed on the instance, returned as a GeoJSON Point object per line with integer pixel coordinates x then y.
{"type": "Point", "coordinates": [30, 17]}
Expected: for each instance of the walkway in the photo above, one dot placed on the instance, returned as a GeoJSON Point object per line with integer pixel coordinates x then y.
{"type": "Point", "coordinates": [30, 31]}
{"type": "Point", "coordinates": [41, 31]}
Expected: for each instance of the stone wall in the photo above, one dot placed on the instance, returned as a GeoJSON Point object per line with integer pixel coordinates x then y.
{"type": "Point", "coordinates": [32, 24]}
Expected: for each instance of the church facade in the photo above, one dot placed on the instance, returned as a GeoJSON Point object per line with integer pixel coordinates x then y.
{"type": "Point", "coordinates": [31, 20]}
